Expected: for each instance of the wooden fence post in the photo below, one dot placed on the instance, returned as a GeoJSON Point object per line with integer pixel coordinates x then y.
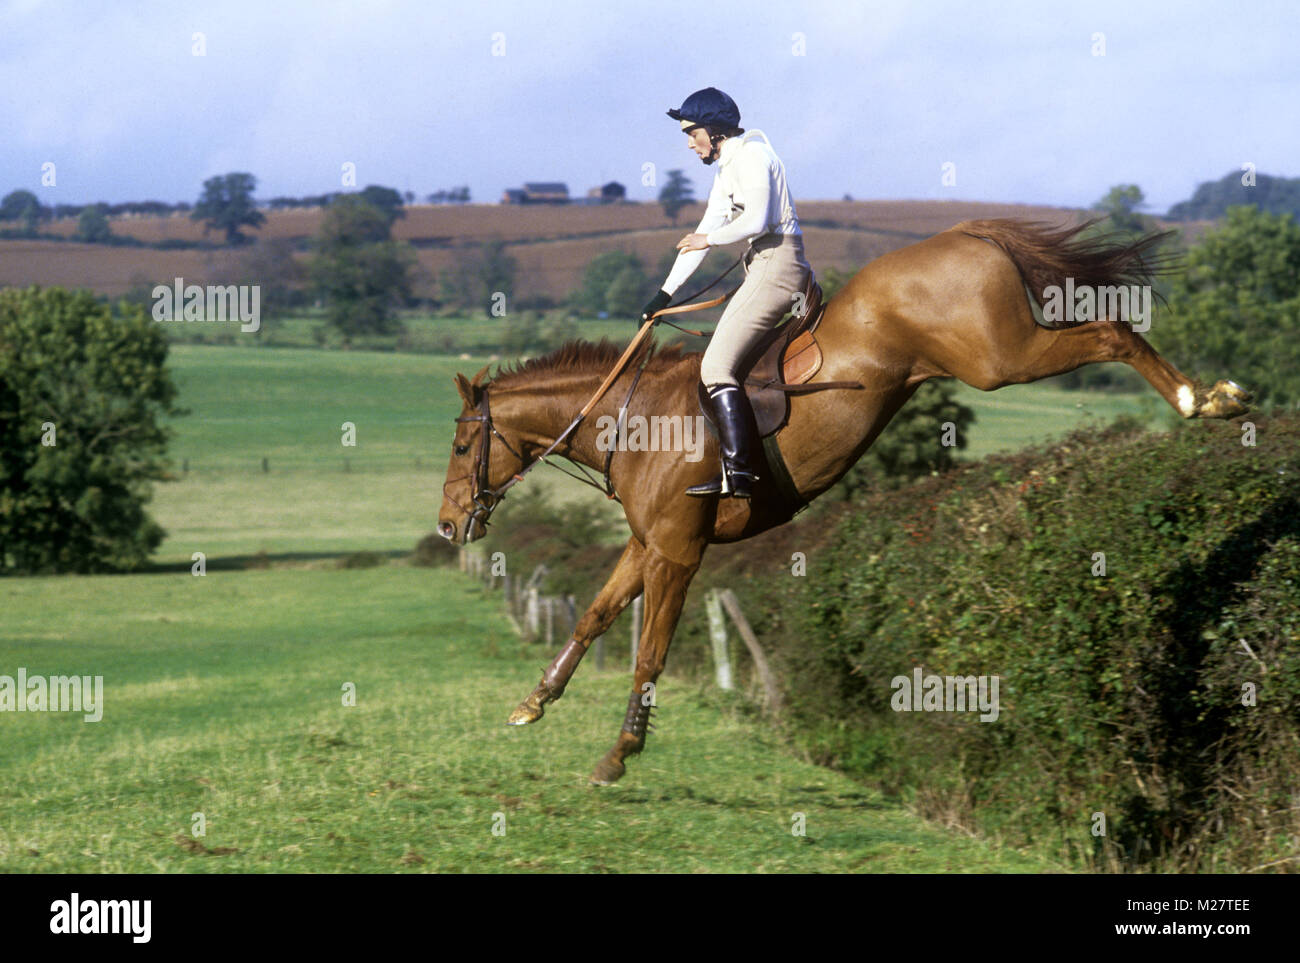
{"type": "Point", "coordinates": [718, 637]}
{"type": "Point", "coordinates": [732, 605]}
{"type": "Point", "coordinates": [533, 611]}
{"type": "Point", "coordinates": [638, 607]}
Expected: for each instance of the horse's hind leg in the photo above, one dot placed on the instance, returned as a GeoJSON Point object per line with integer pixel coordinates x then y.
{"type": "Point", "coordinates": [622, 587]}
{"type": "Point", "coordinates": [1034, 352]}
{"type": "Point", "coordinates": [666, 582]}
{"type": "Point", "coordinates": [1066, 349]}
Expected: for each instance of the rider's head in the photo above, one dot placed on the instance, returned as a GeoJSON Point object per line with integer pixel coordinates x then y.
{"type": "Point", "coordinates": [708, 117]}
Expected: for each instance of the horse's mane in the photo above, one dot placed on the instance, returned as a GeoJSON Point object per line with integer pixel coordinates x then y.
{"type": "Point", "coordinates": [584, 357]}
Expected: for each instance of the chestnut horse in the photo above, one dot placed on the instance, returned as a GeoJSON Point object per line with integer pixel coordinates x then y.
{"type": "Point", "coordinates": [952, 306]}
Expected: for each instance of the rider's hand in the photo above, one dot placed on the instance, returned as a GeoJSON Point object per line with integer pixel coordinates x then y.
{"type": "Point", "coordinates": [693, 242]}
{"type": "Point", "coordinates": [660, 300]}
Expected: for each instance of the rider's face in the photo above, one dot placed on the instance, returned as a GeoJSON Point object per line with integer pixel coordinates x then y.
{"type": "Point", "coordinates": [698, 141]}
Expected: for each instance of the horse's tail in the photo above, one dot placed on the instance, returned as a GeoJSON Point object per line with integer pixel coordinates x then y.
{"type": "Point", "coordinates": [1048, 255]}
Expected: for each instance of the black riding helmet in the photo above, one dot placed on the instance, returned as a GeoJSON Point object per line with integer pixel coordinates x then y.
{"type": "Point", "coordinates": [713, 110]}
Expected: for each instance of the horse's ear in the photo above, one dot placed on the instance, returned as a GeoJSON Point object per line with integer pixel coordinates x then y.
{"type": "Point", "coordinates": [478, 378]}
{"type": "Point", "coordinates": [469, 391]}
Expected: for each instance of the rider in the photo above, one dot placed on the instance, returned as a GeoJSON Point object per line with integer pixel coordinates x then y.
{"type": "Point", "coordinates": [749, 200]}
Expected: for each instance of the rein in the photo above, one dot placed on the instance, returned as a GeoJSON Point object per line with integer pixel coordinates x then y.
{"type": "Point", "coordinates": [486, 499]}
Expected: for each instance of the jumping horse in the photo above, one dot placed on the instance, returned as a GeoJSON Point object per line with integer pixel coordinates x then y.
{"type": "Point", "coordinates": [955, 305]}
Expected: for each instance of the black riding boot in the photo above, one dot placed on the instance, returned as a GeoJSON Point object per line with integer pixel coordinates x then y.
{"type": "Point", "coordinates": [738, 435]}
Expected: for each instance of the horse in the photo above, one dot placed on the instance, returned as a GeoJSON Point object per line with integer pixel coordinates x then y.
{"type": "Point", "coordinates": [955, 305]}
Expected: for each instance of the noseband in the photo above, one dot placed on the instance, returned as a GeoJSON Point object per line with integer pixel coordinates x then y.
{"type": "Point", "coordinates": [485, 499]}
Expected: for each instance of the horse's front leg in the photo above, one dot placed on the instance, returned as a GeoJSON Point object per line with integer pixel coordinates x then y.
{"type": "Point", "coordinates": [666, 583]}
{"type": "Point", "coordinates": [623, 586]}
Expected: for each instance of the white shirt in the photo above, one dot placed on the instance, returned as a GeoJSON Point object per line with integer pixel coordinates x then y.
{"type": "Point", "coordinates": [749, 198]}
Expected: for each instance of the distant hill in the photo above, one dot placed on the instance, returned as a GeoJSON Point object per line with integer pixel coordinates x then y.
{"type": "Point", "coordinates": [551, 244]}
{"type": "Point", "coordinates": [1276, 195]}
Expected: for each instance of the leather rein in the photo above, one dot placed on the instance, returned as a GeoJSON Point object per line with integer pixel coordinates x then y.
{"type": "Point", "coordinates": [486, 499]}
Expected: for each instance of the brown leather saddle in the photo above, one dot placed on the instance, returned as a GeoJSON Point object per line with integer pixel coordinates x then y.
{"type": "Point", "coordinates": [785, 361]}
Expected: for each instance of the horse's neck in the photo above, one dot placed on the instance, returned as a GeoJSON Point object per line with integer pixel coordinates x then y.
{"type": "Point", "coordinates": [545, 413]}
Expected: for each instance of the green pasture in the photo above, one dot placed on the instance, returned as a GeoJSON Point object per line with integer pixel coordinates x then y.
{"type": "Point", "coordinates": [319, 497]}
{"type": "Point", "coordinates": [223, 696]}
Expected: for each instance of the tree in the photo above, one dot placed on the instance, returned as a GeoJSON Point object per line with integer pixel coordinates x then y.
{"type": "Point", "coordinates": [23, 206]}
{"type": "Point", "coordinates": [81, 395]}
{"type": "Point", "coordinates": [362, 273]}
{"type": "Point", "coordinates": [628, 292]}
{"type": "Point", "coordinates": [270, 264]}
{"type": "Point", "coordinates": [1237, 307]}
{"type": "Point", "coordinates": [1211, 200]}
{"type": "Point", "coordinates": [457, 195]}
{"type": "Point", "coordinates": [615, 273]}
{"type": "Point", "coordinates": [1121, 205]}
{"type": "Point", "coordinates": [385, 199]}
{"type": "Point", "coordinates": [227, 205]}
{"type": "Point", "coordinates": [477, 275]}
{"type": "Point", "coordinates": [92, 224]}
{"type": "Point", "coordinates": [676, 194]}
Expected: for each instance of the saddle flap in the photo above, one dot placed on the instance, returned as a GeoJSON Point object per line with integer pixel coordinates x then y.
{"type": "Point", "coordinates": [803, 359]}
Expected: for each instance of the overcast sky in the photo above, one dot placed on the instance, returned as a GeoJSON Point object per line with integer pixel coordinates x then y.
{"type": "Point", "coordinates": [869, 99]}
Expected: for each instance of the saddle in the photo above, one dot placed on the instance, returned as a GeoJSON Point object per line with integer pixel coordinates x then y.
{"type": "Point", "coordinates": [784, 361]}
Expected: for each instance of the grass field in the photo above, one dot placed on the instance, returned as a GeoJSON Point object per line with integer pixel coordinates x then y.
{"type": "Point", "coordinates": [223, 697]}
{"type": "Point", "coordinates": [288, 406]}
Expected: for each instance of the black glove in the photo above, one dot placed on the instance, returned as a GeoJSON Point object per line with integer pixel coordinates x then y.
{"type": "Point", "coordinates": [660, 300]}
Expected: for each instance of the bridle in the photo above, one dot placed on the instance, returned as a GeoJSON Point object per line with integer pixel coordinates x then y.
{"type": "Point", "coordinates": [485, 499]}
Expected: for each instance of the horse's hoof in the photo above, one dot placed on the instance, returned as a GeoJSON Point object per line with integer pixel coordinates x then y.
{"type": "Point", "coordinates": [531, 709]}
{"type": "Point", "coordinates": [608, 771]}
{"type": "Point", "coordinates": [524, 714]}
{"type": "Point", "coordinates": [1226, 399]}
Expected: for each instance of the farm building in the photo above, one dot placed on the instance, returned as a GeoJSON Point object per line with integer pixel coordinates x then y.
{"type": "Point", "coordinates": [537, 193]}
{"type": "Point", "coordinates": [610, 193]}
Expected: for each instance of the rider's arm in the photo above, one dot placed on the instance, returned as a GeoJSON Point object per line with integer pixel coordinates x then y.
{"type": "Point", "coordinates": [715, 215]}
{"type": "Point", "coordinates": [754, 185]}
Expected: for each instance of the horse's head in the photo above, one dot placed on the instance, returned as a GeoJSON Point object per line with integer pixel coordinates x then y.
{"type": "Point", "coordinates": [483, 460]}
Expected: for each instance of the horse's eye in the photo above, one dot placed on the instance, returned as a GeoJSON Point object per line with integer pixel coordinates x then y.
{"type": "Point", "coordinates": [462, 449]}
